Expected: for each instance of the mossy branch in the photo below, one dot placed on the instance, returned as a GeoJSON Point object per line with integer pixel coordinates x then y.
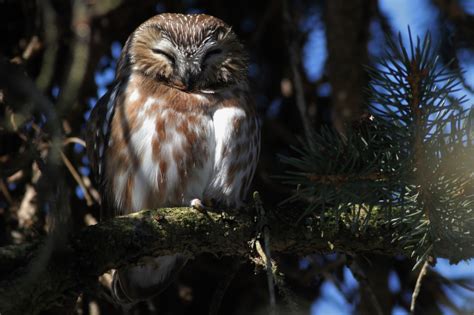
{"type": "Point", "coordinates": [37, 276]}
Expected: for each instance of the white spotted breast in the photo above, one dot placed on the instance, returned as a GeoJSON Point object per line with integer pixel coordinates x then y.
{"type": "Point", "coordinates": [160, 155]}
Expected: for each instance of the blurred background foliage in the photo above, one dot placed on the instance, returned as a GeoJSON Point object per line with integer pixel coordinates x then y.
{"type": "Point", "coordinates": [306, 72]}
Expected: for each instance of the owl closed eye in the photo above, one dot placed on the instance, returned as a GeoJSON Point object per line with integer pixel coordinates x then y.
{"type": "Point", "coordinates": [210, 59]}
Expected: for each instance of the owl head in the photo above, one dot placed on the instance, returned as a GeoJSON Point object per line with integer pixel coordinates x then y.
{"type": "Point", "coordinates": [194, 52]}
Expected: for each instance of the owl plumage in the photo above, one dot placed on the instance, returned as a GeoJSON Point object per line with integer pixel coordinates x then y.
{"type": "Point", "coordinates": [177, 126]}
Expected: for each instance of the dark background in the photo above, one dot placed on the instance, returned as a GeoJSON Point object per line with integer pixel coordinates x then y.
{"type": "Point", "coordinates": [306, 71]}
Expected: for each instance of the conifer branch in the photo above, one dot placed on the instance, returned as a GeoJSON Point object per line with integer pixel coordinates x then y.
{"type": "Point", "coordinates": [410, 164]}
{"type": "Point", "coordinates": [34, 280]}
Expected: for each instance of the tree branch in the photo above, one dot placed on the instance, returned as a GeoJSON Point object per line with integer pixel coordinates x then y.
{"type": "Point", "coordinates": [35, 280]}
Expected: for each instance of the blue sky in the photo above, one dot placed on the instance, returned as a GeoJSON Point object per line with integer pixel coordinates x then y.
{"type": "Point", "coordinates": [332, 301]}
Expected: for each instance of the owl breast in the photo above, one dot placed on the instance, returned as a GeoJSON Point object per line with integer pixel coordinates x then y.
{"type": "Point", "coordinates": [161, 153]}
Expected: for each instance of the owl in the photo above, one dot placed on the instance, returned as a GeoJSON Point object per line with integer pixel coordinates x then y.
{"type": "Point", "coordinates": [177, 128]}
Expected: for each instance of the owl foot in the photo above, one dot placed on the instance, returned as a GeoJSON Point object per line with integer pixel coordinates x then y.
{"type": "Point", "coordinates": [201, 206]}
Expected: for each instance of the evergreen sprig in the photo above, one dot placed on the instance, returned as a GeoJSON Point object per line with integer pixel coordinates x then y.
{"type": "Point", "coordinates": [409, 164]}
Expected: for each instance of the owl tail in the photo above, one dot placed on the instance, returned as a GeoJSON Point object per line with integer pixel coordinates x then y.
{"type": "Point", "coordinates": [137, 283]}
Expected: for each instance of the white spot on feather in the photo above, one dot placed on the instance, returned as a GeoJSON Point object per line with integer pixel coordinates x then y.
{"type": "Point", "coordinates": [135, 95]}
{"type": "Point", "coordinates": [120, 181]}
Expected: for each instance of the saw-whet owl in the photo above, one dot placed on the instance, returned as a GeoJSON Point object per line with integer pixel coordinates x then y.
{"type": "Point", "coordinates": [178, 127]}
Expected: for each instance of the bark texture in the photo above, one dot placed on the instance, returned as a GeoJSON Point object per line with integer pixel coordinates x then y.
{"type": "Point", "coordinates": [36, 277]}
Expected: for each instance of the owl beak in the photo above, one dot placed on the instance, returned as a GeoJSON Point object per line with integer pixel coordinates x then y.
{"type": "Point", "coordinates": [188, 81]}
{"type": "Point", "coordinates": [187, 77]}
{"type": "Point", "coordinates": [185, 83]}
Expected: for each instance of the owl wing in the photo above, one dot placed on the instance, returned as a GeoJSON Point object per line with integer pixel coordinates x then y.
{"type": "Point", "coordinates": [251, 154]}
{"type": "Point", "coordinates": [254, 151]}
{"type": "Point", "coordinates": [97, 138]}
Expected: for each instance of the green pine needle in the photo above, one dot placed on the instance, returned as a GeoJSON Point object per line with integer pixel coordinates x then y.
{"type": "Point", "coordinates": [409, 166]}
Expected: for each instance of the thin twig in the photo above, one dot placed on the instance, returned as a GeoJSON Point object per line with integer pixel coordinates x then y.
{"type": "Point", "coordinates": [33, 47]}
{"type": "Point", "coordinates": [265, 254]}
{"type": "Point", "coordinates": [340, 179]}
{"type": "Point", "coordinates": [294, 63]}
{"type": "Point", "coordinates": [78, 179]}
{"type": "Point", "coordinates": [416, 291]}
{"type": "Point", "coordinates": [286, 294]}
{"type": "Point", "coordinates": [74, 140]}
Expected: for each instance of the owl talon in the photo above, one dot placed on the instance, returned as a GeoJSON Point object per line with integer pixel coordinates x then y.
{"type": "Point", "coordinates": [199, 205]}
